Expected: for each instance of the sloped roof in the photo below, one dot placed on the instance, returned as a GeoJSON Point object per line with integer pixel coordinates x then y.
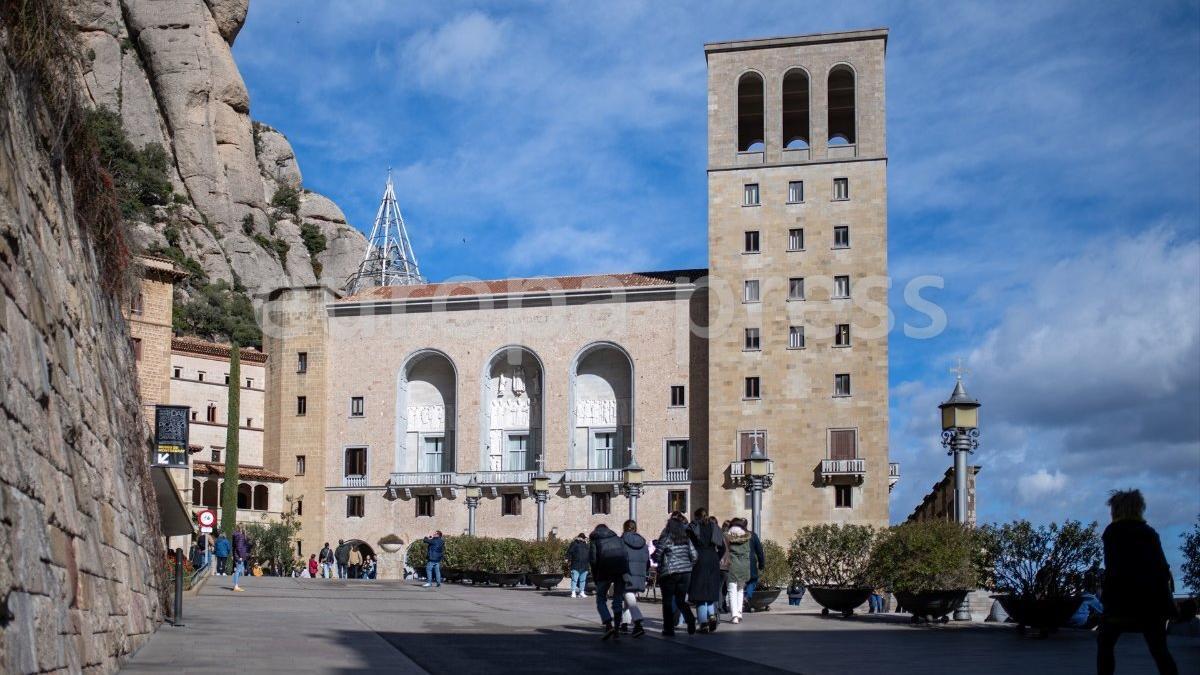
{"type": "Point", "coordinates": [194, 345]}
{"type": "Point", "coordinates": [244, 472]}
{"type": "Point", "coordinates": [467, 288]}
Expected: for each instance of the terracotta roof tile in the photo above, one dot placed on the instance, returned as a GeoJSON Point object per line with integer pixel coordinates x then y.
{"type": "Point", "coordinates": [244, 472]}
{"type": "Point", "coordinates": [468, 288]}
{"type": "Point", "coordinates": [197, 346]}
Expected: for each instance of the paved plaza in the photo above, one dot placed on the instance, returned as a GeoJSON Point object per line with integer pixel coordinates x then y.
{"type": "Point", "coordinates": [311, 625]}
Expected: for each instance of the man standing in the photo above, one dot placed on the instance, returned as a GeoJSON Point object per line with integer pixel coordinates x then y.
{"type": "Point", "coordinates": [342, 557]}
{"type": "Point", "coordinates": [758, 559]}
{"type": "Point", "coordinates": [241, 553]}
{"type": "Point", "coordinates": [356, 561]}
{"type": "Point", "coordinates": [577, 559]}
{"type": "Point", "coordinates": [222, 549]}
{"type": "Point", "coordinates": [609, 564]}
{"type": "Point", "coordinates": [433, 559]}
{"type": "Point", "coordinates": [325, 558]}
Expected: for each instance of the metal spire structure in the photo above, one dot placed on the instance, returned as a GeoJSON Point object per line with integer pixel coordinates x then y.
{"type": "Point", "coordinates": [389, 259]}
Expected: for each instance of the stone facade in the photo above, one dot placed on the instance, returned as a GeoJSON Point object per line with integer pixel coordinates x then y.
{"type": "Point", "coordinates": [798, 407]}
{"type": "Point", "coordinates": [939, 503]}
{"type": "Point", "coordinates": [149, 314]}
{"type": "Point", "coordinates": [82, 552]}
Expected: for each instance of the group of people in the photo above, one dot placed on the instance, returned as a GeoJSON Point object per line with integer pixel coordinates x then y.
{"type": "Point", "coordinates": [702, 563]}
{"type": "Point", "coordinates": [346, 561]}
{"type": "Point", "coordinates": [236, 548]}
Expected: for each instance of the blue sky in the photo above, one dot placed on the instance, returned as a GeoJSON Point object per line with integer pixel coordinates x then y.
{"type": "Point", "coordinates": [1044, 162]}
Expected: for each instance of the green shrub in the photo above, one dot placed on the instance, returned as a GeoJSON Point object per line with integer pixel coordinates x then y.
{"type": "Point", "coordinates": [1191, 557]}
{"type": "Point", "coordinates": [832, 555]}
{"type": "Point", "coordinates": [217, 312]}
{"type": "Point", "coordinates": [934, 555]}
{"type": "Point", "coordinates": [140, 176]}
{"type": "Point", "coordinates": [1042, 562]}
{"type": "Point", "coordinates": [776, 573]}
{"type": "Point", "coordinates": [248, 225]}
{"type": "Point", "coordinates": [418, 555]}
{"type": "Point", "coordinates": [287, 198]}
{"type": "Point", "coordinates": [273, 541]}
{"type": "Point", "coordinates": [546, 557]}
{"type": "Point", "coordinates": [314, 239]}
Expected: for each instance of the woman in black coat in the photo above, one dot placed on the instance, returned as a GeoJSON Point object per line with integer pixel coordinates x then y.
{"type": "Point", "coordinates": [705, 588]}
{"type": "Point", "coordinates": [1138, 588]}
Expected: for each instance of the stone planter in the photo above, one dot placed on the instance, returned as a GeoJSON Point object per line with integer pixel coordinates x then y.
{"type": "Point", "coordinates": [545, 581]}
{"type": "Point", "coordinates": [392, 546]}
{"type": "Point", "coordinates": [452, 574]}
{"type": "Point", "coordinates": [930, 605]}
{"type": "Point", "coordinates": [761, 599]}
{"type": "Point", "coordinates": [839, 599]}
{"type": "Point", "coordinates": [476, 577]}
{"type": "Point", "coordinates": [1044, 614]}
{"type": "Point", "coordinates": [505, 578]}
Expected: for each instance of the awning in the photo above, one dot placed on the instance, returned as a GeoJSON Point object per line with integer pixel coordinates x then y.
{"type": "Point", "coordinates": [174, 512]}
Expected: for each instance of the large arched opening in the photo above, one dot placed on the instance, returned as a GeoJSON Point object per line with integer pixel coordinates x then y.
{"type": "Point", "coordinates": [795, 110]}
{"type": "Point", "coordinates": [511, 410]}
{"type": "Point", "coordinates": [841, 105]}
{"type": "Point", "coordinates": [426, 414]}
{"type": "Point", "coordinates": [601, 408]}
{"type": "Point", "coordinates": [750, 113]}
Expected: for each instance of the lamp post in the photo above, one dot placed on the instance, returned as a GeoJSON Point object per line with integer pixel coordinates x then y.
{"type": "Point", "coordinates": [633, 475]}
{"type": "Point", "coordinates": [541, 492]}
{"type": "Point", "coordinates": [960, 436]}
{"type": "Point", "coordinates": [474, 492]}
{"type": "Point", "coordinates": [758, 479]}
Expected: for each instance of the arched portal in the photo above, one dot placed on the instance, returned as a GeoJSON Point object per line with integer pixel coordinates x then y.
{"type": "Point", "coordinates": [244, 496]}
{"type": "Point", "coordinates": [426, 413]}
{"type": "Point", "coordinates": [511, 410]}
{"type": "Point", "coordinates": [601, 407]}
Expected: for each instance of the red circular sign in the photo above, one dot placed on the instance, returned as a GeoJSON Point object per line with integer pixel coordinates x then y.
{"type": "Point", "coordinates": [206, 518]}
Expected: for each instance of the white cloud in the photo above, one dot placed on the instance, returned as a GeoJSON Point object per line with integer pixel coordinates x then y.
{"type": "Point", "coordinates": [1035, 487]}
{"type": "Point", "coordinates": [453, 53]}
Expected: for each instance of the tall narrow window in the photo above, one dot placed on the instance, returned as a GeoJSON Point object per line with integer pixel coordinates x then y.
{"type": "Point", "coordinates": [356, 406]}
{"type": "Point", "coordinates": [216, 455]}
{"type": "Point", "coordinates": [750, 195]}
{"type": "Point", "coordinates": [299, 508]}
{"type": "Point", "coordinates": [136, 345]}
{"type": "Point", "coordinates": [432, 453]}
{"type": "Point", "coordinates": [678, 396]}
{"type": "Point", "coordinates": [841, 189]}
{"type": "Point", "coordinates": [677, 501]}
{"type": "Point", "coordinates": [841, 335]}
{"type": "Point", "coordinates": [841, 384]}
{"type": "Point", "coordinates": [601, 503]}
{"type": "Point", "coordinates": [301, 406]}
{"type": "Point", "coordinates": [177, 372]}
{"type": "Point", "coordinates": [841, 286]}
{"type": "Point", "coordinates": [796, 288]}
{"type": "Point", "coordinates": [677, 455]}
{"type": "Point", "coordinates": [354, 506]}
{"type": "Point", "coordinates": [135, 303]}
{"type": "Point", "coordinates": [424, 506]}
{"type": "Point", "coordinates": [510, 504]}
{"type": "Point", "coordinates": [795, 337]}
{"type": "Point", "coordinates": [796, 192]}
{"type": "Point", "coordinates": [750, 291]}
{"type": "Point", "coordinates": [301, 362]}
{"type": "Point", "coordinates": [752, 387]}
{"type": "Point", "coordinates": [753, 340]}
{"type": "Point", "coordinates": [795, 109]}
{"type": "Point", "coordinates": [843, 496]}
{"type": "Point", "coordinates": [841, 106]}
{"type": "Point", "coordinates": [843, 444]}
{"type": "Point", "coordinates": [518, 447]}
{"type": "Point", "coordinates": [603, 449]}
{"type": "Point", "coordinates": [301, 464]}
{"type": "Point", "coordinates": [356, 462]}
{"type": "Point", "coordinates": [796, 239]}
{"type": "Point", "coordinates": [260, 497]}
{"type": "Point", "coordinates": [751, 242]}
{"type": "Point", "coordinates": [211, 413]}
{"type": "Point", "coordinates": [249, 382]}
{"type": "Point", "coordinates": [199, 375]}
{"type": "Point", "coordinates": [841, 236]}
{"type": "Point", "coordinates": [750, 113]}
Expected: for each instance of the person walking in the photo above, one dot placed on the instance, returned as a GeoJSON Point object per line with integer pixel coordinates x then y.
{"type": "Point", "coordinates": [325, 558]}
{"type": "Point", "coordinates": [676, 557]}
{"type": "Point", "coordinates": [222, 549]}
{"type": "Point", "coordinates": [737, 556]}
{"type": "Point", "coordinates": [342, 557]}
{"type": "Point", "coordinates": [433, 559]}
{"type": "Point", "coordinates": [704, 588]}
{"type": "Point", "coordinates": [313, 566]}
{"type": "Point", "coordinates": [758, 558]}
{"type": "Point", "coordinates": [606, 554]}
{"type": "Point", "coordinates": [637, 567]}
{"type": "Point", "coordinates": [724, 604]}
{"type": "Point", "coordinates": [1138, 590]}
{"type": "Point", "coordinates": [577, 561]}
{"type": "Point", "coordinates": [355, 561]}
{"type": "Point", "coordinates": [241, 553]}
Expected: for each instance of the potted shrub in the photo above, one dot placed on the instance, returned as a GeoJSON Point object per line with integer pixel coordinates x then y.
{"type": "Point", "coordinates": [773, 578]}
{"type": "Point", "coordinates": [416, 558]}
{"type": "Point", "coordinates": [546, 561]}
{"type": "Point", "coordinates": [930, 566]}
{"type": "Point", "coordinates": [832, 561]}
{"type": "Point", "coordinates": [506, 562]}
{"type": "Point", "coordinates": [452, 558]}
{"type": "Point", "coordinates": [1040, 573]}
{"type": "Point", "coordinates": [391, 543]}
{"type": "Point", "coordinates": [471, 558]}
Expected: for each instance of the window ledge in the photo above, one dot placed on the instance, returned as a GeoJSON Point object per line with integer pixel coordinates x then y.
{"type": "Point", "coordinates": [841, 346]}
{"type": "Point", "coordinates": [839, 297]}
{"type": "Point", "coordinates": [794, 202]}
{"type": "Point", "coordinates": [839, 248]}
{"type": "Point", "coordinates": [756, 350]}
{"type": "Point", "coordinates": [750, 206]}
{"type": "Point", "coordinates": [842, 396]}
{"type": "Point", "coordinates": [759, 252]}
{"type": "Point", "coordinates": [796, 250]}
{"type": "Point", "coordinates": [796, 349]}
{"type": "Point", "coordinates": [842, 199]}
{"type": "Point", "coordinates": [797, 299]}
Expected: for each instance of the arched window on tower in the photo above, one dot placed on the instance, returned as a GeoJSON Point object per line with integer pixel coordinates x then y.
{"type": "Point", "coordinates": [750, 113]}
{"type": "Point", "coordinates": [260, 497]}
{"type": "Point", "coordinates": [841, 106]}
{"type": "Point", "coordinates": [210, 494]}
{"type": "Point", "coordinates": [245, 497]}
{"type": "Point", "coordinates": [195, 493]}
{"type": "Point", "coordinates": [795, 110]}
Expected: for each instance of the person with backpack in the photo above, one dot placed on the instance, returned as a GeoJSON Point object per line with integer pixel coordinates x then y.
{"type": "Point", "coordinates": [325, 559]}
{"type": "Point", "coordinates": [577, 561]}
{"type": "Point", "coordinates": [637, 566]}
{"type": "Point", "coordinates": [342, 556]}
{"type": "Point", "coordinates": [676, 557]}
{"type": "Point", "coordinates": [607, 556]}
{"type": "Point", "coordinates": [222, 549]}
{"type": "Point", "coordinates": [737, 555]}
{"type": "Point", "coordinates": [704, 588]}
{"type": "Point", "coordinates": [758, 557]}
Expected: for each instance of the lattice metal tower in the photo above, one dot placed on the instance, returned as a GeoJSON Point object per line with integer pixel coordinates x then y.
{"type": "Point", "coordinates": [389, 259]}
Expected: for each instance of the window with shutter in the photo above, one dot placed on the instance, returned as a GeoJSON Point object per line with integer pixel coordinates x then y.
{"type": "Point", "coordinates": [843, 444]}
{"type": "Point", "coordinates": [746, 441]}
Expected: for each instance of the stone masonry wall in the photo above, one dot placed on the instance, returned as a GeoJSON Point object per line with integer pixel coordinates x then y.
{"type": "Point", "coordinates": [79, 540]}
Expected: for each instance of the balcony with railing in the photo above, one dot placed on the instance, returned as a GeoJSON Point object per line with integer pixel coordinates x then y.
{"type": "Point", "coordinates": [893, 474]}
{"type": "Point", "coordinates": [354, 481]}
{"type": "Point", "coordinates": [504, 477]}
{"type": "Point", "coordinates": [677, 475]}
{"type": "Point", "coordinates": [852, 468]}
{"type": "Point", "coordinates": [423, 478]}
{"type": "Point", "coordinates": [739, 469]}
{"type": "Point", "coordinates": [592, 476]}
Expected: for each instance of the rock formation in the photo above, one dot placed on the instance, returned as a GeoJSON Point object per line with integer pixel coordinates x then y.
{"type": "Point", "coordinates": [167, 68]}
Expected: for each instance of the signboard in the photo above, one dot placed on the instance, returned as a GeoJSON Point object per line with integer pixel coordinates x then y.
{"type": "Point", "coordinates": [207, 519]}
{"type": "Point", "coordinates": [171, 435]}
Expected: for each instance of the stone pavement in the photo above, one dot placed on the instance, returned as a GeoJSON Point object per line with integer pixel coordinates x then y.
{"type": "Point", "coordinates": [312, 625]}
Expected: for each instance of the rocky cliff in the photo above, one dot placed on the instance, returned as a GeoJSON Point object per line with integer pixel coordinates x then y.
{"type": "Point", "coordinates": [239, 208]}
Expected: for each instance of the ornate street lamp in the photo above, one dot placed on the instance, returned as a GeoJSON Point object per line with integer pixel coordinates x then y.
{"type": "Point", "coordinates": [758, 479]}
{"type": "Point", "coordinates": [541, 492]}
{"type": "Point", "coordinates": [474, 492]}
{"type": "Point", "coordinates": [633, 476]}
{"type": "Point", "coordinates": [960, 436]}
